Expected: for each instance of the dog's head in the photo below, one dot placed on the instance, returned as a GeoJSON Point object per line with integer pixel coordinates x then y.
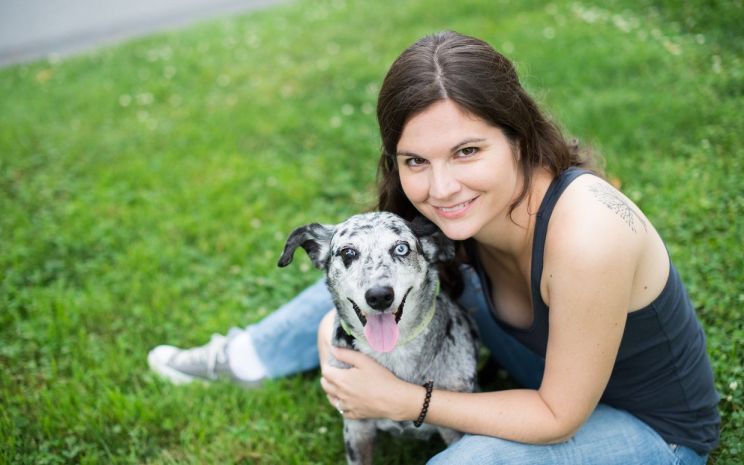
{"type": "Point", "coordinates": [379, 269]}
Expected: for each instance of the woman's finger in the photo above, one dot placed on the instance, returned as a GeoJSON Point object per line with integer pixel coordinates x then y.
{"type": "Point", "coordinates": [328, 387]}
{"type": "Point", "coordinates": [348, 356]}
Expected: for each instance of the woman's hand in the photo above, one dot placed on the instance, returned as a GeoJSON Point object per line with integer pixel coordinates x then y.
{"type": "Point", "coordinates": [367, 389]}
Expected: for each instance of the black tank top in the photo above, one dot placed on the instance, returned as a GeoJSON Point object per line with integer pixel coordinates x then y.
{"type": "Point", "coordinates": [662, 374]}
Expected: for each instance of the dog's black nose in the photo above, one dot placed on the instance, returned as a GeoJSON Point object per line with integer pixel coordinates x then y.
{"type": "Point", "coordinates": [380, 298]}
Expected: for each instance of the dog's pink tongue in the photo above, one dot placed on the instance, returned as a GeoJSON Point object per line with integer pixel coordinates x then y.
{"type": "Point", "coordinates": [381, 332]}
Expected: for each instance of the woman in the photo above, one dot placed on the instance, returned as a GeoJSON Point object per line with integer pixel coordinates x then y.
{"type": "Point", "coordinates": [571, 286]}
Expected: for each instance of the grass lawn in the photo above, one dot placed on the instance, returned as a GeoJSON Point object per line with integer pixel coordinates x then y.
{"type": "Point", "coordinates": [146, 191]}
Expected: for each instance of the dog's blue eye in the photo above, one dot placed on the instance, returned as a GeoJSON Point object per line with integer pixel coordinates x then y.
{"type": "Point", "coordinates": [401, 249]}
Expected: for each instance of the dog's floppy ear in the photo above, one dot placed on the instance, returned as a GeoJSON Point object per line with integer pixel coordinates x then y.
{"type": "Point", "coordinates": [436, 246]}
{"type": "Point", "coordinates": [314, 238]}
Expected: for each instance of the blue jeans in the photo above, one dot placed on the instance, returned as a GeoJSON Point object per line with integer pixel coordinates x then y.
{"type": "Point", "coordinates": [286, 343]}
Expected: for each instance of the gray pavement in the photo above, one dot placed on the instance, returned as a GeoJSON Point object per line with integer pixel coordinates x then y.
{"type": "Point", "coordinates": [34, 29]}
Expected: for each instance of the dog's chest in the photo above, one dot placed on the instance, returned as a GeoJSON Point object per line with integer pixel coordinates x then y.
{"type": "Point", "coordinates": [409, 363]}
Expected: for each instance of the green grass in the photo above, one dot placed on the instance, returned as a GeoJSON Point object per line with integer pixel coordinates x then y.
{"type": "Point", "coordinates": [146, 191]}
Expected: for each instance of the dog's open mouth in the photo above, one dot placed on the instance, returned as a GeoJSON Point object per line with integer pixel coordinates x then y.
{"type": "Point", "coordinates": [381, 329]}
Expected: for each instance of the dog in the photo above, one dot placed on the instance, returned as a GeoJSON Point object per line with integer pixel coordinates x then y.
{"type": "Point", "coordinates": [382, 273]}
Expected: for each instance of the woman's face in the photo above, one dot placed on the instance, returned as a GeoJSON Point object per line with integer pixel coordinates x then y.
{"type": "Point", "coordinates": [457, 170]}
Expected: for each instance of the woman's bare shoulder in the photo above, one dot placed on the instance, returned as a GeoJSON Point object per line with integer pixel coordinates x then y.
{"type": "Point", "coordinates": [596, 230]}
{"type": "Point", "coordinates": [594, 219]}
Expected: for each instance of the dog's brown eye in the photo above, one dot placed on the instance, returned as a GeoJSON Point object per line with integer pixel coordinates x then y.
{"type": "Point", "coordinates": [401, 249]}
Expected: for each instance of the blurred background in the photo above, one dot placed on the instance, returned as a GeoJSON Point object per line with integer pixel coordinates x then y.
{"type": "Point", "coordinates": [154, 156]}
{"type": "Point", "coordinates": [33, 29]}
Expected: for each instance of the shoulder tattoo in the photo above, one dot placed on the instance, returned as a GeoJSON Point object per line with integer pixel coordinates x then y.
{"type": "Point", "coordinates": [612, 200]}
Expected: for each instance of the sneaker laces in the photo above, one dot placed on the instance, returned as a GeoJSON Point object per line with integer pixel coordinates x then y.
{"type": "Point", "coordinates": [211, 355]}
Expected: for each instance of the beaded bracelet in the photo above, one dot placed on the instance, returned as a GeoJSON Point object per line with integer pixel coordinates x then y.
{"type": "Point", "coordinates": [420, 421]}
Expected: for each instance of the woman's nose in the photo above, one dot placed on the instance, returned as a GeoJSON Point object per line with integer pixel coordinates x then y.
{"type": "Point", "coordinates": [442, 184]}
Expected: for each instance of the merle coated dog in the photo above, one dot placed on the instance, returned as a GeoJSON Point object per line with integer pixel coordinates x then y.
{"type": "Point", "coordinates": [381, 271]}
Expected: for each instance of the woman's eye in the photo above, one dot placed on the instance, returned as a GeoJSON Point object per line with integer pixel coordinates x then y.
{"type": "Point", "coordinates": [401, 249]}
{"type": "Point", "coordinates": [415, 161]}
{"type": "Point", "coordinates": [468, 151]}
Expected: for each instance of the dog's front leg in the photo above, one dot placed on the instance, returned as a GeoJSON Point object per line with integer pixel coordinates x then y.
{"type": "Point", "coordinates": [359, 437]}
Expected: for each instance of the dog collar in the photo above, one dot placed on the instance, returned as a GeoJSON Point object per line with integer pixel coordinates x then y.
{"type": "Point", "coordinates": [414, 334]}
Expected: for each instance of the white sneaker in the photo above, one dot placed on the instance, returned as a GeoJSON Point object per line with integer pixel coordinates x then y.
{"type": "Point", "coordinates": [205, 363]}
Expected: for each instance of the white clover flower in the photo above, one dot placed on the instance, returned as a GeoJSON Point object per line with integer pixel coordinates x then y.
{"type": "Point", "coordinates": [333, 48]}
{"type": "Point", "coordinates": [169, 71]}
{"type": "Point", "coordinates": [145, 98]}
{"type": "Point", "coordinates": [125, 100]}
{"type": "Point", "coordinates": [671, 47]}
{"type": "Point", "coordinates": [250, 39]}
{"type": "Point", "coordinates": [717, 68]}
{"type": "Point", "coordinates": [621, 23]}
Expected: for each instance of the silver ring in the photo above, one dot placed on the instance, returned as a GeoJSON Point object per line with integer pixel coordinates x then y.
{"type": "Point", "coordinates": [338, 406]}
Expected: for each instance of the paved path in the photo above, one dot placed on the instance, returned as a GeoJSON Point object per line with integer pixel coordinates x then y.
{"type": "Point", "coordinates": [33, 29]}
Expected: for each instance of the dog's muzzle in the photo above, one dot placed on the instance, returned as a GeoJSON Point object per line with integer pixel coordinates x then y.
{"type": "Point", "coordinates": [380, 328]}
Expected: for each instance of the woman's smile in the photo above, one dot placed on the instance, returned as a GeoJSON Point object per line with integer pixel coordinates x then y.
{"type": "Point", "coordinates": [455, 211]}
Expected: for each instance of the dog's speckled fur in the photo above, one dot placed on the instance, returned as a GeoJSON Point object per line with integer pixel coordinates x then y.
{"type": "Point", "coordinates": [444, 351]}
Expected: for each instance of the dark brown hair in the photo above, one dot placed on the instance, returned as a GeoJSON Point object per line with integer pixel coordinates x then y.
{"type": "Point", "coordinates": [484, 83]}
{"type": "Point", "coordinates": [468, 71]}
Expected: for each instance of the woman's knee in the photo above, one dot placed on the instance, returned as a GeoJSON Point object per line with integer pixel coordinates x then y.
{"type": "Point", "coordinates": [483, 450]}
